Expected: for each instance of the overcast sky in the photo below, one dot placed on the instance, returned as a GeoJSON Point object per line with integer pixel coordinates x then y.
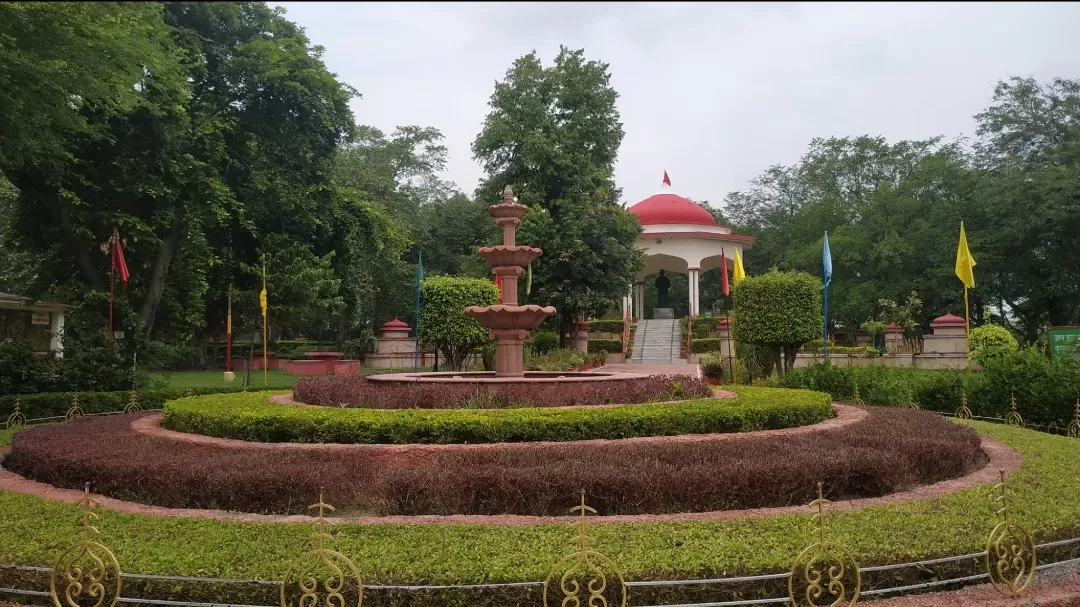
{"type": "Point", "coordinates": [712, 92]}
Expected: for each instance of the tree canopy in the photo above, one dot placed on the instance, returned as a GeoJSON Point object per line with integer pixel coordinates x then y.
{"type": "Point", "coordinates": [553, 134]}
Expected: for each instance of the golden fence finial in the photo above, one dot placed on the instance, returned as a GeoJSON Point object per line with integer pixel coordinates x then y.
{"type": "Point", "coordinates": [584, 570]}
{"type": "Point", "coordinates": [963, 412]}
{"type": "Point", "coordinates": [87, 571]}
{"type": "Point", "coordinates": [133, 405]}
{"type": "Point", "coordinates": [17, 419]}
{"type": "Point", "coordinates": [321, 567]}
{"type": "Point", "coordinates": [820, 559]}
{"type": "Point", "coordinates": [1074, 427]}
{"type": "Point", "coordinates": [76, 410]}
{"type": "Point", "coordinates": [1010, 551]}
{"type": "Point", "coordinates": [1012, 418]}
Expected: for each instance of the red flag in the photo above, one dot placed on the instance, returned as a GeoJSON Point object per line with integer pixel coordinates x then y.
{"type": "Point", "coordinates": [119, 264]}
{"type": "Point", "coordinates": [724, 286]}
{"type": "Point", "coordinates": [667, 180]}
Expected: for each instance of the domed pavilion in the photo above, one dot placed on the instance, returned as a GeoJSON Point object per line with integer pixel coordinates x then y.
{"type": "Point", "coordinates": [681, 236]}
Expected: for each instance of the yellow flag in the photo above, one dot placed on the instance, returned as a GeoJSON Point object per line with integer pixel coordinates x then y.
{"type": "Point", "coordinates": [262, 299]}
{"type": "Point", "coordinates": [738, 274]}
{"type": "Point", "coordinates": [965, 263]}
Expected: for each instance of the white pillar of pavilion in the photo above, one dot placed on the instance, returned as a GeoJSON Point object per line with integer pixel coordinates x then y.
{"type": "Point", "coordinates": [639, 303]}
{"type": "Point", "coordinates": [695, 297]}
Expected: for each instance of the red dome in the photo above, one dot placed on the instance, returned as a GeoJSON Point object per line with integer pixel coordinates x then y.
{"type": "Point", "coordinates": [395, 325]}
{"type": "Point", "coordinates": [949, 320]}
{"type": "Point", "coordinates": [663, 209]}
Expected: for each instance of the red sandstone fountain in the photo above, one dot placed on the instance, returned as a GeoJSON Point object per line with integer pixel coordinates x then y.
{"type": "Point", "coordinates": [509, 322]}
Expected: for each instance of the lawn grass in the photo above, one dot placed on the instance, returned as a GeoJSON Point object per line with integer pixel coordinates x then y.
{"type": "Point", "coordinates": [34, 530]}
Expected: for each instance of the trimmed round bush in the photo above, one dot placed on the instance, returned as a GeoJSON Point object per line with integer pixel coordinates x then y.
{"type": "Point", "coordinates": [991, 342]}
{"type": "Point", "coordinates": [253, 417]}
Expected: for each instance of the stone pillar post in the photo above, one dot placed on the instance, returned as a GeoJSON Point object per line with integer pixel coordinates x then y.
{"type": "Point", "coordinates": [639, 304]}
{"type": "Point", "coordinates": [582, 342]}
{"type": "Point", "coordinates": [509, 352]}
{"type": "Point", "coordinates": [727, 341]}
{"type": "Point", "coordinates": [894, 338]}
{"type": "Point", "coordinates": [56, 333]}
{"type": "Point", "coordinates": [695, 296]}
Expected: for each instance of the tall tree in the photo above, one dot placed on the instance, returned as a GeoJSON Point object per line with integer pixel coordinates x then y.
{"type": "Point", "coordinates": [553, 134]}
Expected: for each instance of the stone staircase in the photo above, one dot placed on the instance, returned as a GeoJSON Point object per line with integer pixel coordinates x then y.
{"type": "Point", "coordinates": [657, 339]}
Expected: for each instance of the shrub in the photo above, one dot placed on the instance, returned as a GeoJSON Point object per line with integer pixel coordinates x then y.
{"type": "Point", "coordinates": [605, 326]}
{"type": "Point", "coordinates": [557, 360]}
{"type": "Point", "coordinates": [544, 342]}
{"type": "Point", "coordinates": [816, 347]}
{"type": "Point", "coordinates": [706, 344]}
{"type": "Point", "coordinates": [605, 345]}
{"type": "Point", "coordinates": [22, 371]}
{"type": "Point", "coordinates": [443, 323]}
{"type": "Point", "coordinates": [991, 342]}
{"type": "Point", "coordinates": [893, 450]}
{"type": "Point", "coordinates": [253, 417]}
{"type": "Point", "coordinates": [1045, 393]}
{"type": "Point", "coordinates": [56, 404]}
{"type": "Point", "coordinates": [711, 366]}
{"type": "Point", "coordinates": [779, 310]}
{"type": "Point", "coordinates": [357, 391]}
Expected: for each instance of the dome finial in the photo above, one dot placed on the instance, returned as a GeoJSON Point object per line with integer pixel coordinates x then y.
{"type": "Point", "coordinates": [508, 194]}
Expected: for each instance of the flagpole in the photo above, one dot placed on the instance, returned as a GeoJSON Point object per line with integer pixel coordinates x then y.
{"type": "Point", "coordinates": [419, 282]}
{"type": "Point", "coordinates": [264, 326]}
{"type": "Point", "coordinates": [228, 333]}
{"type": "Point", "coordinates": [825, 329]}
{"type": "Point", "coordinates": [112, 289]}
{"type": "Point", "coordinates": [967, 327]}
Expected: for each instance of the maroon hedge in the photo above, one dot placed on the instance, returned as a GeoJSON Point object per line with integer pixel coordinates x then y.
{"type": "Point", "coordinates": [358, 391]}
{"type": "Point", "coordinates": [891, 450]}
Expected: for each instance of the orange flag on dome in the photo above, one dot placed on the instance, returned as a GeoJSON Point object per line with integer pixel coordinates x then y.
{"type": "Point", "coordinates": [667, 180]}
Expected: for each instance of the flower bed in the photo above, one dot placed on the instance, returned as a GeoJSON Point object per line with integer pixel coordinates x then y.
{"type": "Point", "coordinates": [358, 391]}
{"type": "Point", "coordinates": [254, 417]}
{"type": "Point", "coordinates": [889, 451]}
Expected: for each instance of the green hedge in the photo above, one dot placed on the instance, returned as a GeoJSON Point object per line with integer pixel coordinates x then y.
{"type": "Point", "coordinates": [816, 348]}
{"type": "Point", "coordinates": [611, 346]}
{"type": "Point", "coordinates": [253, 417]}
{"type": "Point", "coordinates": [706, 344]}
{"type": "Point", "coordinates": [606, 326]}
{"type": "Point", "coordinates": [1045, 394]}
{"type": "Point", "coordinates": [56, 404]}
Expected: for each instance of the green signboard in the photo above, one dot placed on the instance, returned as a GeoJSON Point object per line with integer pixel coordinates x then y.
{"type": "Point", "coordinates": [1064, 341]}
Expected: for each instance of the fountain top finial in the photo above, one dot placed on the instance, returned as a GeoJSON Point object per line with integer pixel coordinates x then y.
{"type": "Point", "coordinates": [508, 194]}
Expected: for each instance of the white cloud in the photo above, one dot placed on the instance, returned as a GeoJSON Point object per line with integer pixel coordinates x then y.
{"type": "Point", "coordinates": [712, 92]}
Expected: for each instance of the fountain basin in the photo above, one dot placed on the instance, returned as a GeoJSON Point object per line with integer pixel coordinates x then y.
{"type": "Point", "coordinates": [502, 255]}
{"type": "Point", "coordinates": [504, 318]}
{"type": "Point", "coordinates": [508, 209]}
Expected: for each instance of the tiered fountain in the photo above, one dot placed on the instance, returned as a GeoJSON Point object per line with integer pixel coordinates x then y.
{"type": "Point", "coordinates": [509, 322]}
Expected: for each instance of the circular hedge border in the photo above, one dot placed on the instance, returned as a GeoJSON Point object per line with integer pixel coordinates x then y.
{"type": "Point", "coordinates": [485, 391]}
{"type": "Point", "coordinates": [254, 417]}
{"type": "Point", "coordinates": [886, 451]}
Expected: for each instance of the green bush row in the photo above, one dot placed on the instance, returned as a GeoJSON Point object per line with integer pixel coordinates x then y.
{"type": "Point", "coordinates": [817, 347]}
{"type": "Point", "coordinates": [611, 346]}
{"type": "Point", "coordinates": [252, 417]}
{"type": "Point", "coordinates": [1046, 394]}
{"type": "Point", "coordinates": [706, 344]}
{"type": "Point", "coordinates": [56, 404]}
{"type": "Point", "coordinates": [606, 326]}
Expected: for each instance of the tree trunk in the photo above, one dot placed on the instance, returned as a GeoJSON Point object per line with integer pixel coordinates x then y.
{"type": "Point", "coordinates": [160, 270]}
{"type": "Point", "coordinates": [778, 364]}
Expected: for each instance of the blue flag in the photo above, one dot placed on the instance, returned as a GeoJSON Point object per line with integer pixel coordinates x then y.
{"type": "Point", "coordinates": [826, 259]}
